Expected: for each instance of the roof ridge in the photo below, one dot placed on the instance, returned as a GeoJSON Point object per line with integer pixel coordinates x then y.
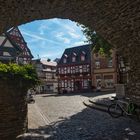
{"type": "Point", "coordinates": [78, 46]}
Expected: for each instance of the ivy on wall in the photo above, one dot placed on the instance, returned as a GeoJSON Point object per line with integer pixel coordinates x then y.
{"type": "Point", "coordinates": [26, 73]}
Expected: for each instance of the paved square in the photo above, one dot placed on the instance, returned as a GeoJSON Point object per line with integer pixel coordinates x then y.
{"type": "Point", "coordinates": [64, 117]}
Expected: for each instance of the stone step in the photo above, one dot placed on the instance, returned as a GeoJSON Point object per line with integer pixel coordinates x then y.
{"type": "Point", "coordinates": [99, 103]}
{"type": "Point", "coordinates": [95, 106]}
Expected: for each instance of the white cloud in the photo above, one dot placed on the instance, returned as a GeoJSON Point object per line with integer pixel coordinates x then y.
{"type": "Point", "coordinates": [38, 38]}
{"type": "Point", "coordinates": [60, 36]}
{"type": "Point", "coordinates": [43, 27]}
{"type": "Point", "coordinates": [50, 54]}
{"type": "Point", "coordinates": [49, 38]}
{"type": "Point", "coordinates": [79, 43]}
{"type": "Point", "coordinates": [74, 35]}
{"type": "Point", "coordinates": [69, 28]}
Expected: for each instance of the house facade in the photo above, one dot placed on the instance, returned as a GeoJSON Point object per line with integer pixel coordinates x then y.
{"type": "Point", "coordinates": [104, 71]}
{"type": "Point", "coordinates": [46, 71]}
{"type": "Point", "coordinates": [74, 70]}
{"type": "Point", "coordinates": [9, 51]}
{"type": "Point", "coordinates": [15, 35]}
{"type": "Point", "coordinates": [13, 47]}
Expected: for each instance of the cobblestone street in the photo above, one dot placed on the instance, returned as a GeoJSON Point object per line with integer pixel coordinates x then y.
{"type": "Point", "coordinates": [64, 117]}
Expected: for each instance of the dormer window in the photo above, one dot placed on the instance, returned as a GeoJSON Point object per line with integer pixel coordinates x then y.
{"type": "Point", "coordinates": [83, 56]}
{"type": "Point", "coordinates": [74, 57]}
{"type": "Point", "coordinates": [65, 58]}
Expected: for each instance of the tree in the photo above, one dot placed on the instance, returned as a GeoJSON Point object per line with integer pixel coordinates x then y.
{"type": "Point", "coordinates": [99, 44]}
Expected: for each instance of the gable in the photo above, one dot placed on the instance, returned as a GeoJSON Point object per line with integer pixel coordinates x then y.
{"type": "Point", "coordinates": [8, 44]}
{"type": "Point", "coordinates": [15, 35]}
{"type": "Point", "coordinates": [7, 48]}
{"type": "Point", "coordinates": [2, 38]}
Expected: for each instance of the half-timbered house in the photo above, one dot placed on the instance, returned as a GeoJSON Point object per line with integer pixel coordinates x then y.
{"type": "Point", "coordinates": [9, 51]}
{"type": "Point", "coordinates": [15, 35]}
{"type": "Point", "coordinates": [13, 47]}
{"type": "Point", "coordinates": [46, 71]}
{"type": "Point", "coordinates": [74, 70]}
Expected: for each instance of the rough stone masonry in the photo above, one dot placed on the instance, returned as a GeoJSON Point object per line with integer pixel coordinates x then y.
{"type": "Point", "coordinates": [118, 21]}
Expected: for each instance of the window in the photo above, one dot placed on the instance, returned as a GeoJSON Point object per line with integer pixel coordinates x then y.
{"type": "Point", "coordinates": [65, 70]}
{"type": "Point", "coordinates": [76, 69]}
{"type": "Point", "coordinates": [73, 69]}
{"type": "Point", "coordinates": [110, 63]}
{"type": "Point", "coordinates": [85, 83]}
{"type": "Point", "coordinates": [65, 60]}
{"type": "Point", "coordinates": [82, 57]}
{"type": "Point", "coordinates": [68, 69]}
{"type": "Point", "coordinates": [59, 70]}
{"type": "Point", "coordinates": [73, 59]}
{"type": "Point", "coordinates": [62, 70]}
{"type": "Point", "coordinates": [109, 83]}
{"type": "Point", "coordinates": [62, 83]}
{"type": "Point", "coordinates": [88, 68]}
{"type": "Point", "coordinates": [97, 64]}
{"type": "Point", "coordinates": [84, 68]}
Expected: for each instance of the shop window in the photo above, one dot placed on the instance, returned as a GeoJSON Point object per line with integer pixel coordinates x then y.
{"type": "Point", "coordinates": [109, 83]}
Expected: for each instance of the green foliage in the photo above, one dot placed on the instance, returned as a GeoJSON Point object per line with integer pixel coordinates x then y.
{"type": "Point", "coordinates": [99, 44]}
{"type": "Point", "coordinates": [26, 73]}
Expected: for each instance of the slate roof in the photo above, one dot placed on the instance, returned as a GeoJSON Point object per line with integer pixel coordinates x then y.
{"type": "Point", "coordinates": [76, 51]}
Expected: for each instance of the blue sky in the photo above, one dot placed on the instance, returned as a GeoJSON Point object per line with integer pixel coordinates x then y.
{"type": "Point", "coordinates": [49, 38]}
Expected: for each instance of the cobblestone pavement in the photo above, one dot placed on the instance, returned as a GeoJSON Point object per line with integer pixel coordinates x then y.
{"type": "Point", "coordinates": [64, 117]}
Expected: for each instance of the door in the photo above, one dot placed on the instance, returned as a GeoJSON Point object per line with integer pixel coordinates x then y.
{"type": "Point", "coordinates": [78, 85]}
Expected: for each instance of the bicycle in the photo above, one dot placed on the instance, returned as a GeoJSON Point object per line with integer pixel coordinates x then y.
{"type": "Point", "coordinates": [122, 107]}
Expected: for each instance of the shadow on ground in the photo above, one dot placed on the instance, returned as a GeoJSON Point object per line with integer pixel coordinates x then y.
{"type": "Point", "coordinates": [88, 125]}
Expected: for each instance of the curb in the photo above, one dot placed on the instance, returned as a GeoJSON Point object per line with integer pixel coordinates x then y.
{"type": "Point", "coordinates": [100, 104]}
{"type": "Point", "coordinates": [97, 107]}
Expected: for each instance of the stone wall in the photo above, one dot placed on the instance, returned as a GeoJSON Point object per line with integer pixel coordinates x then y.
{"type": "Point", "coordinates": [13, 110]}
{"type": "Point", "coordinates": [118, 21]}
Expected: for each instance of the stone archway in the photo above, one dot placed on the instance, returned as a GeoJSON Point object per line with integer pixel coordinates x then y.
{"type": "Point", "coordinates": [116, 20]}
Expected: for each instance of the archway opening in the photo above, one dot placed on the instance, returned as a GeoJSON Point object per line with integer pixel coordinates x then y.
{"type": "Point", "coordinates": [111, 19]}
